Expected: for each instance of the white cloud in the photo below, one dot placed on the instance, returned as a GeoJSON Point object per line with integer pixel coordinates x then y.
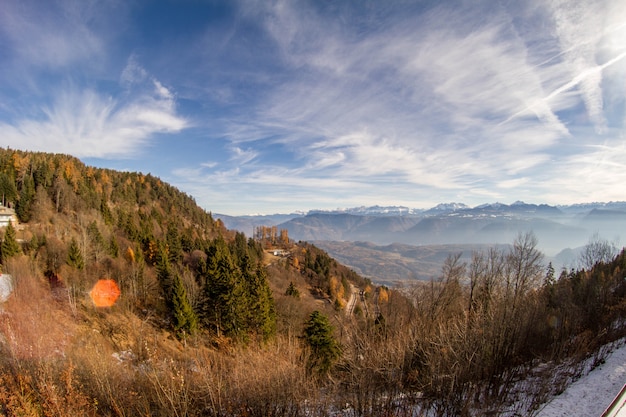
{"type": "Point", "coordinates": [133, 73]}
{"type": "Point", "coordinates": [578, 24]}
{"type": "Point", "coordinates": [50, 35]}
{"type": "Point", "coordinates": [457, 100]}
{"type": "Point", "coordinates": [242, 156]}
{"type": "Point", "coordinates": [419, 101]}
{"type": "Point", "coordinates": [86, 123]}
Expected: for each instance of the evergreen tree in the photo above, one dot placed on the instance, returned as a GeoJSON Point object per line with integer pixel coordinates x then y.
{"type": "Point", "coordinates": [25, 202]}
{"type": "Point", "coordinates": [174, 244]}
{"type": "Point", "coordinates": [94, 234]}
{"type": "Point", "coordinates": [318, 336]}
{"type": "Point", "coordinates": [261, 311]}
{"type": "Point", "coordinates": [239, 248]}
{"type": "Point", "coordinates": [184, 320]}
{"type": "Point", "coordinates": [75, 256]}
{"type": "Point", "coordinates": [9, 246]}
{"type": "Point", "coordinates": [223, 304]}
{"type": "Point", "coordinates": [550, 279]}
{"type": "Point", "coordinates": [106, 212]}
{"type": "Point", "coordinates": [96, 241]}
{"type": "Point", "coordinates": [292, 291]}
{"type": "Point", "coordinates": [8, 190]}
{"type": "Point", "coordinates": [114, 249]}
{"type": "Point", "coordinates": [163, 270]}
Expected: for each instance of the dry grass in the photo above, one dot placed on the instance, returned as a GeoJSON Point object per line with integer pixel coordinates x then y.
{"type": "Point", "coordinates": [439, 355]}
{"type": "Point", "coordinates": [111, 362]}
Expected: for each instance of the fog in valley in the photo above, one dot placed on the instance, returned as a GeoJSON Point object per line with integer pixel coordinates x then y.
{"type": "Point", "coordinates": [395, 245]}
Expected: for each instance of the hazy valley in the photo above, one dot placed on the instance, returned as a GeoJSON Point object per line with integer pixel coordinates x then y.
{"type": "Point", "coordinates": [400, 244]}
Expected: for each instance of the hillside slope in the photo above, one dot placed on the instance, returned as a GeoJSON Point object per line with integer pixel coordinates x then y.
{"type": "Point", "coordinates": [209, 323]}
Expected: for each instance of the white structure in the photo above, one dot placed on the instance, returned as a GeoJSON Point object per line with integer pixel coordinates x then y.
{"type": "Point", "coordinates": [6, 287]}
{"type": "Point", "coordinates": [7, 215]}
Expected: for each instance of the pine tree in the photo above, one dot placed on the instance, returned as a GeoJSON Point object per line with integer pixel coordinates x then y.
{"type": "Point", "coordinates": [106, 212]}
{"type": "Point", "coordinates": [114, 249]}
{"type": "Point", "coordinates": [9, 247]}
{"type": "Point", "coordinates": [223, 302]}
{"type": "Point", "coordinates": [325, 350]}
{"type": "Point", "coordinates": [96, 241]}
{"type": "Point", "coordinates": [75, 256]}
{"type": "Point", "coordinates": [174, 244]}
{"type": "Point", "coordinates": [184, 320]}
{"type": "Point", "coordinates": [8, 190]}
{"type": "Point", "coordinates": [25, 202]}
{"type": "Point", "coordinates": [261, 310]}
{"type": "Point", "coordinates": [239, 248]}
{"type": "Point", "coordinates": [292, 291]}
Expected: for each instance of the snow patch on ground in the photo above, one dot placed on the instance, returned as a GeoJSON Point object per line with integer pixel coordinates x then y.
{"type": "Point", "coordinates": [594, 392]}
{"type": "Point", "coordinates": [6, 287]}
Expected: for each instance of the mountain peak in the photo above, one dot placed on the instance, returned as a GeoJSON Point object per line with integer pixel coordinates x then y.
{"type": "Point", "coordinates": [448, 207]}
{"type": "Point", "coordinates": [371, 210]}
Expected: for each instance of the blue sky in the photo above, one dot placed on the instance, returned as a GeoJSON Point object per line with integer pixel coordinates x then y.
{"type": "Point", "coordinates": [276, 106]}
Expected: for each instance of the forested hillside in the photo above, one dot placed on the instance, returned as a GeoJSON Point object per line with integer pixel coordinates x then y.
{"type": "Point", "coordinates": [210, 323]}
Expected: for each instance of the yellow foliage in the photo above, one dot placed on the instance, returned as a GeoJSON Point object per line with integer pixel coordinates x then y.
{"type": "Point", "coordinates": [336, 289]}
{"type": "Point", "coordinates": [341, 291]}
{"type": "Point", "coordinates": [333, 284]}
{"type": "Point", "coordinates": [104, 178]}
{"type": "Point", "coordinates": [20, 163]}
{"type": "Point", "coordinates": [72, 175]}
{"type": "Point", "coordinates": [383, 295]}
{"type": "Point", "coordinates": [130, 255]}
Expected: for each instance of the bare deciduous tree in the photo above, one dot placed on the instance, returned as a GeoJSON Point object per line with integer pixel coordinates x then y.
{"type": "Point", "coordinates": [595, 251]}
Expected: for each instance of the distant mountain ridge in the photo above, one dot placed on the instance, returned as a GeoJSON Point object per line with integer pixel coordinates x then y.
{"type": "Point", "coordinates": [441, 208]}
{"type": "Point", "coordinates": [556, 227]}
{"type": "Point", "coordinates": [373, 211]}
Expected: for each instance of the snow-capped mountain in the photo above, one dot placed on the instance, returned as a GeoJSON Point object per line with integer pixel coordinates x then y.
{"type": "Point", "coordinates": [446, 208]}
{"type": "Point", "coordinates": [372, 211]}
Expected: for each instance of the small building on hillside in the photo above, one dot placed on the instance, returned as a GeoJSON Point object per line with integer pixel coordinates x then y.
{"type": "Point", "coordinates": [7, 215]}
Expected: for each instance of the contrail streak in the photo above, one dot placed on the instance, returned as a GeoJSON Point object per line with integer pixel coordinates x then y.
{"type": "Point", "coordinates": [575, 81]}
{"type": "Point", "coordinates": [594, 39]}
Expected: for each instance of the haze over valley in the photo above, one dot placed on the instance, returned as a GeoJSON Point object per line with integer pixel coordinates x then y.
{"type": "Point", "coordinates": [393, 244]}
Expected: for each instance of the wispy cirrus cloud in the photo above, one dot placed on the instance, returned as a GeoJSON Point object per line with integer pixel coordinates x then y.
{"type": "Point", "coordinates": [87, 123]}
{"type": "Point", "coordinates": [418, 91]}
{"type": "Point", "coordinates": [466, 101]}
{"type": "Point", "coordinates": [45, 35]}
{"type": "Point", "coordinates": [316, 103]}
{"type": "Point", "coordinates": [56, 57]}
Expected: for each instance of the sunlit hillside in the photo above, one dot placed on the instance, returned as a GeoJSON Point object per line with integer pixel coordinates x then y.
{"type": "Point", "coordinates": [120, 296]}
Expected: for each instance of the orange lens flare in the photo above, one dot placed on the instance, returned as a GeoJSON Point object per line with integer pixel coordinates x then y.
{"type": "Point", "coordinates": [105, 293]}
